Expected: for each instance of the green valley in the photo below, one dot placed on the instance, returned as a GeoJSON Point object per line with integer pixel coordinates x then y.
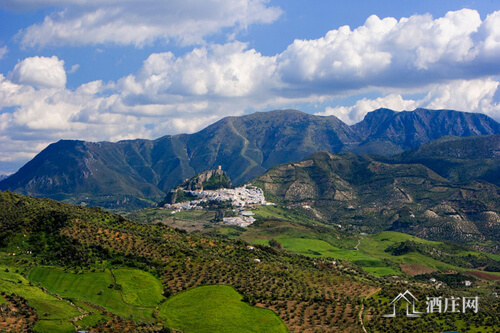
{"type": "Point", "coordinates": [75, 267]}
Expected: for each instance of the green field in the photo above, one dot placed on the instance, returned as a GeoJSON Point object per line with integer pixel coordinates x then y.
{"type": "Point", "coordinates": [300, 233]}
{"type": "Point", "coordinates": [92, 318]}
{"type": "Point", "coordinates": [370, 253]}
{"type": "Point", "coordinates": [217, 309]}
{"type": "Point", "coordinates": [306, 246]}
{"type": "Point", "coordinates": [304, 239]}
{"type": "Point", "coordinates": [270, 212]}
{"type": "Point", "coordinates": [376, 244]}
{"type": "Point", "coordinates": [54, 326]}
{"type": "Point", "coordinates": [139, 288]}
{"type": "Point", "coordinates": [133, 292]}
{"type": "Point", "coordinates": [55, 313]}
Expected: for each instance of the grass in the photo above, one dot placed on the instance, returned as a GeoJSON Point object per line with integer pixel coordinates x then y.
{"type": "Point", "coordinates": [380, 271]}
{"type": "Point", "coordinates": [310, 247]}
{"type": "Point", "coordinates": [371, 255]}
{"type": "Point", "coordinates": [54, 314]}
{"type": "Point", "coordinates": [299, 233]}
{"type": "Point", "coordinates": [375, 245]}
{"type": "Point", "coordinates": [53, 326]}
{"type": "Point", "coordinates": [270, 212]}
{"type": "Point", "coordinates": [302, 239]}
{"type": "Point", "coordinates": [139, 288]}
{"type": "Point", "coordinates": [138, 296]}
{"type": "Point", "coordinates": [92, 318]}
{"type": "Point", "coordinates": [217, 309]}
{"type": "Point", "coordinates": [47, 306]}
{"type": "Point", "coordinates": [229, 231]}
{"type": "Point", "coordinates": [305, 240]}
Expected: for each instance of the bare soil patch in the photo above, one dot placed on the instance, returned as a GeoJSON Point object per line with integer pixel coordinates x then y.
{"type": "Point", "coordinates": [414, 269]}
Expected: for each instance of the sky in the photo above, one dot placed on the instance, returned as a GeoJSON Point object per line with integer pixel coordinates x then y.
{"type": "Point", "coordinates": [113, 70]}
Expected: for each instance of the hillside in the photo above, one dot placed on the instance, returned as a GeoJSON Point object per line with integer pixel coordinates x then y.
{"type": "Point", "coordinates": [53, 241]}
{"type": "Point", "coordinates": [137, 173]}
{"type": "Point", "coordinates": [460, 159]}
{"type": "Point", "coordinates": [84, 268]}
{"type": "Point", "coordinates": [370, 195]}
{"type": "Point", "coordinates": [65, 268]}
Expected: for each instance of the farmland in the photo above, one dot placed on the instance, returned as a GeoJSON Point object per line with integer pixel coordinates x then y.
{"type": "Point", "coordinates": [124, 292]}
{"type": "Point", "coordinates": [55, 313]}
{"type": "Point", "coordinates": [78, 268]}
{"type": "Point", "coordinates": [297, 231]}
{"type": "Point", "coordinates": [217, 309]}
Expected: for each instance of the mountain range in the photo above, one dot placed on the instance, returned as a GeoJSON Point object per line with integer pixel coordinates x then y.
{"type": "Point", "coordinates": [137, 173]}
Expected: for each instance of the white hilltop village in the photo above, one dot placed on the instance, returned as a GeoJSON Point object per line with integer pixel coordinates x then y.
{"type": "Point", "coordinates": [243, 197]}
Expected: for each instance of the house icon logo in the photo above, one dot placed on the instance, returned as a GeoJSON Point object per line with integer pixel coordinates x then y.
{"type": "Point", "coordinates": [410, 302]}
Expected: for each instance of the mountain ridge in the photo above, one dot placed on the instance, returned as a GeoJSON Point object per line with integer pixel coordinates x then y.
{"type": "Point", "coordinates": [136, 173]}
{"type": "Point", "coordinates": [420, 192]}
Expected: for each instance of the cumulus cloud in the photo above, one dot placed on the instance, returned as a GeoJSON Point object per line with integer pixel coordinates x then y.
{"type": "Point", "coordinates": [32, 118]}
{"type": "Point", "coordinates": [488, 37]}
{"type": "Point", "coordinates": [355, 113]}
{"type": "Point", "coordinates": [220, 70]}
{"type": "Point", "coordinates": [468, 95]}
{"type": "Point", "coordinates": [139, 22]}
{"type": "Point", "coordinates": [452, 61]}
{"type": "Point", "coordinates": [390, 53]}
{"type": "Point", "coordinates": [40, 72]}
{"type": "Point", "coordinates": [462, 95]}
{"type": "Point", "coordinates": [382, 54]}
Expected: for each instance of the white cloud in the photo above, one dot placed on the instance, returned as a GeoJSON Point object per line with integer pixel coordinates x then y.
{"type": "Point", "coordinates": [425, 41]}
{"type": "Point", "coordinates": [462, 95]}
{"type": "Point", "coordinates": [383, 54]}
{"type": "Point", "coordinates": [412, 54]}
{"type": "Point", "coordinates": [3, 51]}
{"type": "Point", "coordinates": [73, 68]}
{"type": "Point", "coordinates": [472, 95]}
{"type": "Point", "coordinates": [390, 53]}
{"type": "Point", "coordinates": [452, 61]}
{"type": "Point", "coordinates": [40, 72]}
{"type": "Point", "coordinates": [139, 22]}
{"type": "Point", "coordinates": [342, 55]}
{"type": "Point", "coordinates": [354, 114]}
{"type": "Point", "coordinates": [220, 70]}
{"type": "Point", "coordinates": [489, 36]}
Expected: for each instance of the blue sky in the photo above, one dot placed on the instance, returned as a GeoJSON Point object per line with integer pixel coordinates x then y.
{"type": "Point", "coordinates": [114, 70]}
